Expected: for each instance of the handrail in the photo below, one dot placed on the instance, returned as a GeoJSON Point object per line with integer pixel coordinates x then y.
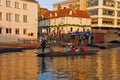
{"type": "Point", "coordinates": [27, 40]}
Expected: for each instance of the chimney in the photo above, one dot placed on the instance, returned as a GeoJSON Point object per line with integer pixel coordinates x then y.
{"type": "Point", "coordinates": [83, 4]}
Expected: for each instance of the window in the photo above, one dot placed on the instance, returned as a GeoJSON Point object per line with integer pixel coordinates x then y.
{"type": "Point", "coordinates": [17, 31]}
{"type": "Point", "coordinates": [0, 15]}
{"type": "Point", "coordinates": [71, 29]}
{"type": "Point", "coordinates": [93, 12]}
{"type": "Point", "coordinates": [17, 17]}
{"type": "Point", "coordinates": [70, 12]}
{"type": "Point", "coordinates": [108, 12]}
{"type": "Point", "coordinates": [118, 22]}
{"type": "Point", "coordinates": [30, 34]}
{"type": "Point", "coordinates": [8, 3]}
{"type": "Point", "coordinates": [24, 31]}
{"type": "Point", "coordinates": [0, 2]}
{"type": "Point", "coordinates": [16, 4]}
{"type": "Point", "coordinates": [24, 18]}
{"type": "Point", "coordinates": [118, 5]}
{"type": "Point", "coordinates": [91, 3]}
{"type": "Point", "coordinates": [25, 6]}
{"type": "Point", "coordinates": [8, 30]}
{"type": "Point", "coordinates": [8, 16]}
{"type": "Point", "coordinates": [0, 30]}
{"type": "Point", "coordinates": [109, 3]}
{"type": "Point", "coordinates": [118, 13]}
{"type": "Point", "coordinates": [94, 21]}
{"type": "Point", "coordinates": [108, 21]}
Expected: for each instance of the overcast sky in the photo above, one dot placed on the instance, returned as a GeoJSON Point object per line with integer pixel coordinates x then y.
{"type": "Point", "coordinates": [47, 3]}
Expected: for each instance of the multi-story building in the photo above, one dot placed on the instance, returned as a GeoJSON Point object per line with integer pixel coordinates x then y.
{"type": "Point", "coordinates": [74, 4]}
{"type": "Point", "coordinates": [104, 14]}
{"type": "Point", "coordinates": [65, 20]}
{"type": "Point", "coordinates": [18, 19]}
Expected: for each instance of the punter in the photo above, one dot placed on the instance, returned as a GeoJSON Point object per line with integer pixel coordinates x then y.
{"type": "Point", "coordinates": [43, 42]}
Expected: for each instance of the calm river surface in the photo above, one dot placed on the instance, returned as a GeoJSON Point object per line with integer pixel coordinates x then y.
{"type": "Point", "coordinates": [27, 66]}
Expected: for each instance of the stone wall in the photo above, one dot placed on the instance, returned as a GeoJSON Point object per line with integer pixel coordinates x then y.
{"type": "Point", "coordinates": [111, 37]}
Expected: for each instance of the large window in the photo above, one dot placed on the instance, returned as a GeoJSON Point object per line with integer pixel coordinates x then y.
{"type": "Point", "coordinates": [17, 31]}
{"type": "Point", "coordinates": [0, 15]}
{"type": "Point", "coordinates": [17, 17]}
{"type": "Point", "coordinates": [8, 16]}
{"type": "Point", "coordinates": [108, 21]}
{"type": "Point", "coordinates": [0, 2]}
{"type": "Point", "coordinates": [17, 5]}
{"type": "Point", "coordinates": [91, 3]}
{"type": "Point", "coordinates": [8, 30]}
{"type": "Point", "coordinates": [25, 6]}
{"type": "Point", "coordinates": [110, 3]}
{"type": "Point", "coordinates": [93, 12]}
{"type": "Point", "coordinates": [8, 3]}
{"type": "Point", "coordinates": [24, 18]}
{"type": "Point", "coordinates": [118, 22]}
{"type": "Point", "coordinates": [118, 5]}
{"type": "Point", "coordinates": [94, 21]}
{"type": "Point", "coordinates": [118, 13]}
{"type": "Point", "coordinates": [24, 31]}
{"type": "Point", "coordinates": [0, 30]}
{"type": "Point", "coordinates": [108, 12]}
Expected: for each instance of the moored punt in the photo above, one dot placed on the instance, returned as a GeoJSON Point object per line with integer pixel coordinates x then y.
{"type": "Point", "coordinates": [60, 54]}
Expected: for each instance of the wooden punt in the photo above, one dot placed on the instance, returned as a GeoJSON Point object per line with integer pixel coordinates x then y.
{"type": "Point", "coordinates": [60, 54]}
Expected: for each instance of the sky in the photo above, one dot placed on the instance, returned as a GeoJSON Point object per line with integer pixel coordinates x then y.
{"type": "Point", "coordinates": [47, 3]}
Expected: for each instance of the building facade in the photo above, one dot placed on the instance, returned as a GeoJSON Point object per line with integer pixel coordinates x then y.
{"type": "Point", "coordinates": [104, 14]}
{"type": "Point", "coordinates": [73, 4]}
{"type": "Point", "coordinates": [18, 19]}
{"type": "Point", "coordinates": [65, 20]}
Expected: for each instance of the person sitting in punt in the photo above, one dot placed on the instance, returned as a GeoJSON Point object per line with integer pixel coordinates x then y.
{"type": "Point", "coordinates": [72, 49]}
{"type": "Point", "coordinates": [77, 49]}
{"type": "Point", "coordinates": [84, 48]}
{"type": "Point", "coordinates": [67, 48]}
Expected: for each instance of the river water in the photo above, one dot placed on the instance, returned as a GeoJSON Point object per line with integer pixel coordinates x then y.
{"type": "Point", "coordinates": [25, 65]}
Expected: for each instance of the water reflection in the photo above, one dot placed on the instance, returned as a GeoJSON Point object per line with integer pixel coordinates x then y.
{"type": "Point", "coordinates": [18, 66]}
{"type": "Point", "coordinates": [103, 66]}
{"type": "Point", "coordinates": [27, 66]}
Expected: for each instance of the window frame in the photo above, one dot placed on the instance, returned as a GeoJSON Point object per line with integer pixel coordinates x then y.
{"type": "Point", "coordinates": [8, 16]}
{"type": "Point", "coordinates": [17, 5]}
{"type": "Point", "coordinates": [17, 17]}
{"type": "Point", "coordinates": [8, 3]}
{"type": "Point", "coordinates": [25, 18]}
{"type": "Point", "coordinates": [8, 30]}
{"type": "Point", "coordinates": [25, 6]}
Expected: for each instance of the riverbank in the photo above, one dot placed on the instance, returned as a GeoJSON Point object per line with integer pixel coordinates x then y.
{"type": "Point", "coordinates": [13, 47]}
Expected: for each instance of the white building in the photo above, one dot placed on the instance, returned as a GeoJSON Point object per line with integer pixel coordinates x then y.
{"type": "Point", "coordinates": [74, 4]}
{"type": "Point", "coordinates": [66, 20]}
{"type": "Point", "coordinates": [104, 14]}
{"type": "Point", "coordinates": [18, 19]}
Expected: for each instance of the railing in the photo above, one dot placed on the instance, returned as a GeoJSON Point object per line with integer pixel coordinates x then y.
{"type": "Point", "coordinates": [27, 41]}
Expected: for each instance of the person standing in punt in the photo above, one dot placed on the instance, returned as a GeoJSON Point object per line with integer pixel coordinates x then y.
{"type": "Point", "coordinates": [43, 42]}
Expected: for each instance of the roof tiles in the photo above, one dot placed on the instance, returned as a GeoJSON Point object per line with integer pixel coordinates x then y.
{"type": "Point", "coordinates": [66, 13]}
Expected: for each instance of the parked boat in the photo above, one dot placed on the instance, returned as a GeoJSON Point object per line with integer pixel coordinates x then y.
{"type": "Point", "coordinates": [60, 54]}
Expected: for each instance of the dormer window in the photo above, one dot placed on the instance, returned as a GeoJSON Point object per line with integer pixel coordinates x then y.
{"type": "Point", "coordinates": [55, 14]}
{"type": "Point", "coordinates": [42, 16]}
{"type": "Point", "coordinates": [70, 13]}
{"type": "Point", "coordinates": [50, 15]}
